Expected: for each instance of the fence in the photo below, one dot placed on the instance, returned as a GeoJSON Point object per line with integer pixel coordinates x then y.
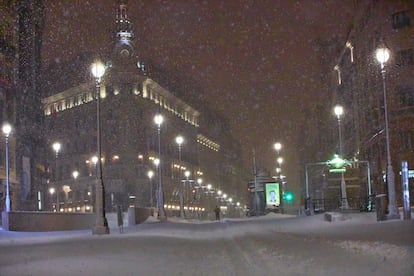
{"type": "Point", "coordinates": [362, 204]}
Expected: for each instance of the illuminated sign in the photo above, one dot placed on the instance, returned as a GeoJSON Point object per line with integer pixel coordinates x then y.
{"type": "Point", "coordinates": [410, 173]}
{"type": "Point", "coordinates": [272, 191]}
{"type": "Point", "coordinates": [340, 170]}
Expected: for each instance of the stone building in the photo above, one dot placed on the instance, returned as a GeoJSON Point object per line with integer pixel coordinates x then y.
{"type": "Point", "coordinates": [356, 81]}
{"type": "Point", "coordinates": [129, 101]}
{"type": "Point", "coordinates": [20, 41]}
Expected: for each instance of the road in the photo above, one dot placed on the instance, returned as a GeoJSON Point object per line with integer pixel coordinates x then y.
{"type": "Point", "coordinates": [281, 245]}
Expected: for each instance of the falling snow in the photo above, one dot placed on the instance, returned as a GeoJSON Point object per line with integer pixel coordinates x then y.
{"type": "Point", "coordinates": [257, 62]}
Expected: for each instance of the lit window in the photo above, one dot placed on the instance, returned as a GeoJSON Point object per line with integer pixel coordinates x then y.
{"type": "Point", "coordinates": [336, 68]}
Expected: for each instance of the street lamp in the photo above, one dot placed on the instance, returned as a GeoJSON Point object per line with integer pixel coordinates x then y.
{"type": "Point", "coordinates": [56, 147]}
{"type": "Point", "coordinates": [52, 191]}
{"type": "Point", "coordinates": [199, 182]}
{"type": "Point", "coordinates": [280, 161]}
{"type": "Point", "coordinates": [150, 175]}
{"type": "Point", "coordinates": [158, 119]}
{"type": "Point", "coordinates": [278, 147]}
{"type": "Point", "coordinates": [187, 184]}
{"type": "Point", "coordinates": [219, 192]}
{"type": "Point", "coordinates": [179, 140]}
{"type": "Point", "coordinates": [75, 174]}
{"type": "Point", "coordinates": [339, 111]}
{"type": "Point", "coordinates": [101, 226]}
{"type": "Point", "coordinates": [382, 55]}
{"type": "Point", "coordinates": [6, 130]}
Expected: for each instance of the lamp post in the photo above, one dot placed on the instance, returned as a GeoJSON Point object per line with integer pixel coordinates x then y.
{"type": "Point", "coordinates": [279, 160]}
{"type": "Point", "coordinates": [75, 174]}
{"type": "Point", "coordinates": [52, 191]}
{"type": "Point", "coordinates": [150, 175]}
{"type": "Point", "coordinates": [187, 183]}
{"type": "Point", "coordinates": [209, 187]}
{"type": "Point", "coordinates": [179, 140]}
{"type": "Point", "coordinates": [278, 147]}
{"type": "Point", "coordinates": [6, 130]}
{"type": "Point", "coordinates": [339, 111]}
{"type": "Point", "coordinates": [56, 147]}
{"type": "Point", "coordinates": [382, 55]}
{"type": "Point", "coordinates": [101, 225]}
{"type": "Point", "coordinates": [158, 119]}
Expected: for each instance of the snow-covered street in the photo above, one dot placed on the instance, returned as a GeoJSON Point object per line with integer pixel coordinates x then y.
{"type": "Point", "coordinates": [270, 245]}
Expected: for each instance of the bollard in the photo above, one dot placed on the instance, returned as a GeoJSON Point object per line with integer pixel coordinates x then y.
{"type": "Point", "coordinates": [380, 205]}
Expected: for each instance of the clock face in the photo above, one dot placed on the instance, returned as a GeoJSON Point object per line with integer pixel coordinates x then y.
{"type": "Point", "coordinates": [124, 53]}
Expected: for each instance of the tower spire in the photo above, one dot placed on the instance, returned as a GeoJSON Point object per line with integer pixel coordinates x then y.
{"type": "Point", "coordinates": [124, 32]}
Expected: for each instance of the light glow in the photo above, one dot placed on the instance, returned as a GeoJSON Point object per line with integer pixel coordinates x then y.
{"type": "Point", "coordinates": [338, 110]}
{"type": "Point", "coordinates": [7, 129]}
{"type": "Point", "coordinates": [179, 140]}
{"type": "Point", "coordinates": [98, 69]}
{"type": "Point", "coordinates": [158, 119]}
{"type": "Point", "coordinates": [382, 55]}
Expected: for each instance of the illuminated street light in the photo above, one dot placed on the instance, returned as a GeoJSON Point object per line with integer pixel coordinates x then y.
{"type": "Point", "coordinates": [339, 111]}
{"type": "Point", "coordinates": [187, 174]}
{"type": "Point", "coordinates": [199, 182]}
{"type": "Point", "coordinates": [280, 161]}
{"type": "Point", "coordinates": [158, 119]}
{"type": "Point", "coordinates": [7, 130]}
{"type": "Point", "coordinates": [75, 174]}
{"type": "Point", "coordinates": [56, 147]}
{"type": "Point", "coordinates": [52, 191]}
{"type": "Point", "coordinates": [94, 160]}
{"type": "Point", "coordinates": [278, 147]}
{"type": "Point", "coordinates": [101, 226]}
{"type": "Point", "coordinates": [150, 175]}
{"type": "Point", "coordinates": [382, 55]}
{"type": "Point", "coordinates": [179, 140]}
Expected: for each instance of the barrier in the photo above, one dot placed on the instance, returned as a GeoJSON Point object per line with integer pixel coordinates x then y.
{"type": "Point", "coordinates": [28, 221]}
{"type": "Point", "coordinates": [138, 215]}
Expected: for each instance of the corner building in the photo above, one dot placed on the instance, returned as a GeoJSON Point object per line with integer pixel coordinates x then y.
{"type": "Point", "coordinates": [129, 139]}
{"type": "Point", "coordinates": [358, 87]}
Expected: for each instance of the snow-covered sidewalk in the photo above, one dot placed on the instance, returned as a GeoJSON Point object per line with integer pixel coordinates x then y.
{"type": "Point", "coordinates": [270, 245]}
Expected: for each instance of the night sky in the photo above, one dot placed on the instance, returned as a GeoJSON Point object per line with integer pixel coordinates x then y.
{"type": "Point", "coordinates": [257, 61]}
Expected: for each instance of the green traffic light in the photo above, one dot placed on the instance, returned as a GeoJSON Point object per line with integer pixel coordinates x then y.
{"type": "Point", "coordinates": [288, 196]}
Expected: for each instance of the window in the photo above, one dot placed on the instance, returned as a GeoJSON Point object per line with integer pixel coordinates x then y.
{"type": "Point", "coordinates": [406, 95]}
{"type": "Point", "coordinates": [400, 20]}
{"type": "Point", "coordinates": [405, 57]}
{"type": "Point", "coordinates": [406, 139]}
{"type": "Point", "coordinates": [67, 104]}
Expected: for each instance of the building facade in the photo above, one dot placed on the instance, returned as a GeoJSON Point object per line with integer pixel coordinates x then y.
{"type": "Point", "coordinates": [21, 30]}
{"type": "Point", "coordinates": [357, 84]}
{"type": "Point", "coordinates": [129, 137]}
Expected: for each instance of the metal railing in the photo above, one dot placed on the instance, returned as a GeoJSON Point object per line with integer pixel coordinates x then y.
{"type": "Point", "coordinates": [362, 204]}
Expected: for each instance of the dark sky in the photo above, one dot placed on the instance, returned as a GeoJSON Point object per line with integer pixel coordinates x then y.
{"type": "Point", "coordinates": [257, 61]}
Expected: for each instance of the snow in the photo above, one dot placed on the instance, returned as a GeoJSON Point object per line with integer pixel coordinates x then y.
{"type": "Point", "coordinates": [274, 244]}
